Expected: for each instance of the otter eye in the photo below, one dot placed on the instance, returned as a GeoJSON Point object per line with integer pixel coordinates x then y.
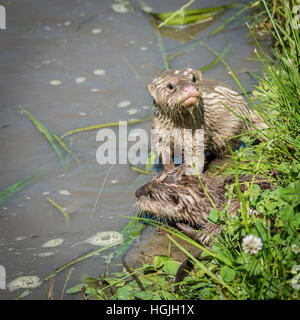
{"type": "Point", "coordinates": [171, 86]}
{"type": "Point", "coordinates": [194, 78]}
{"type": "Point", "coordinates": [174, 199]}
{"type": "Point", "coordinates": [151, 195]}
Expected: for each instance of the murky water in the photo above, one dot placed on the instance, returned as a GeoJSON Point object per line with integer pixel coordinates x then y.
{"type": "Point", "coordinates": [70, 42]}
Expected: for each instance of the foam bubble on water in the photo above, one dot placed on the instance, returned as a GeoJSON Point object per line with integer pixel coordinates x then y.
{"type": "Point", "coordinates": [120, 8]}
{"type": "Point", "coordinates": [132, 111]}
{"type": "Point", "coordinates": [64, 192]}
{"type": "Point", "coordinates": [99, 72]}
{"type": "Point", "coordinates": [147, 9]}
{"type": "Point", "coordinates": [105, 238]}
{"type": "Point", "coordinates": [55, 82]}
{"type": "Point", "coordinates": [45, 254]}
{"type": "Point", "coordinates": [53, 243]}
{"type": "Point", "coordinates": [96, 31]}
{"type": "Point", "coordinates": [124, 104]}
{"type": "Point", "coordinates": [24, 282]}
{"type": "Point", "coordinates": [20, 238]}
{"type": "Point", "coordinates": [79, 80]}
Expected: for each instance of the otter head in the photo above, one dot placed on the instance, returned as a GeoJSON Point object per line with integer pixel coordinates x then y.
{"type": "Point", "coordinates": [177, 90]}
{"type": "Point", "coordinates": [167, 194]}
{"type": "Point", "coordinates": [159, 196]}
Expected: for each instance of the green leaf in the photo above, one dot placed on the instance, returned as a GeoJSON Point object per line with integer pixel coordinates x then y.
{"type": "Point", "coordinates": [159, 261]}
{"type": "Point", "coordinates": [291, 194]}
{"type": "Point", "coordinates": [286, 213]}
{"type": "Point", "coordinates": [124, 293]}
{"type": "Point", "coordinates": [144, 295]}
{"type": "Point", "coordinates": [171, 267]}
{"type": "Point", "coordinates": [90, 290]}
{"type": "Point", "coordinates": [187, 16]}
{"type": "Point", "coordinates": [213, 216]}
{"type": "Point", "coordinates": [75, 289]}
{"type": "Point", "coordinates": [227, 274]}
{"type": "Point", "coordinates": [261, 230]}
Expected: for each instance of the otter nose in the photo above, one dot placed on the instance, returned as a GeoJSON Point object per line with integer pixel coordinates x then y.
{"type": "Point", "coordinates": [190, 90]}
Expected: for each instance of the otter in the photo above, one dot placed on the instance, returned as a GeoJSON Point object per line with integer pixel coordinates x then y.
{"type": "Point", "coordinates": [177, 197]}
{"type": "Point", "coordinates": [183, 100]}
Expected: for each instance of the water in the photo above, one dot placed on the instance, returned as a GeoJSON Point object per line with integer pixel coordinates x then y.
{"type": "Point", "coordinates": [60, 40]}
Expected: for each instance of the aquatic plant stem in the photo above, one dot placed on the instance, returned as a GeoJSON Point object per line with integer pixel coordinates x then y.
{"type": "Point", "coordinates": [100, 191]}
{"type": "Point", "coordinates": [105, 125]}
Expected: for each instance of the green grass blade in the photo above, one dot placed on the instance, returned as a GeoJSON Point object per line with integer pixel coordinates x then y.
{"type": "Point", "coordinates": [130, 232]}
{"type": "Point", "coordinates": [134, 168]}
{"type": "Point", "coordinates": [21, 184]}
{"type": "Point", "coordinates": [66, 148]}
{"type": "Point", "coordinates": [100, 192]}
{"type": "Point", "coordinates": [64, 212]}
{"type": "Point", "coordinates": [174, 14]}
{"type": "Point", "coordinates": [216, 60]}
{"type": "Point", "coordinates": [202, 266]}
{"type": "Point", "coordinates": [161, 46]}
{"type": "Point", "coordinates": [231, 19]}
{"type": "Point", "coordinates": [45, 132]}
{"type": "Point", "coordinates": [104, 125]}
{"type": "Point", "coordinates": [184, 16]}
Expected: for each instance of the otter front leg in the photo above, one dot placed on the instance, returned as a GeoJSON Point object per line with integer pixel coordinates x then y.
{"type": "Point", "coordinates": [163, 148]}
{"type": "Point", "coordinates": [188, 265]}
{"type": "Point", "coordinates": [196, 235]}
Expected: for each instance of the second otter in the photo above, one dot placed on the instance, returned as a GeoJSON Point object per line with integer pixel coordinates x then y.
{"type": "Point", "coordinates": [176, 197]}
{"type": "Point", "coordinates": [183, 100]}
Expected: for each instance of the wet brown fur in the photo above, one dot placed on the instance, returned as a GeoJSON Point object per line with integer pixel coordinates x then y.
{"type": "Point", "coordinates": [176, 197]}
{"type": "Point", "coordinates": [208, 113]}
{"type": "Point", "coordinates": [179, 198]}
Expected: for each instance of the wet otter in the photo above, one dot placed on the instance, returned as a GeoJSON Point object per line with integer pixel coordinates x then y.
{"type": "Point", "coordinates": [183, 100]}
{"type": "Point", "coordinates": [177, 197]}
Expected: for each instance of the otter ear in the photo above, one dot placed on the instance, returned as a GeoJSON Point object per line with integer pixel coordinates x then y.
{"type": "Point", "coordinates": [199, 74]}
{"type": "Point", "coordinates": [152, 90]}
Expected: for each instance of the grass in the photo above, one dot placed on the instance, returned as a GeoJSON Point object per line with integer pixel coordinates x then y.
{"type": "Point", "coordinates": [226, 269]}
